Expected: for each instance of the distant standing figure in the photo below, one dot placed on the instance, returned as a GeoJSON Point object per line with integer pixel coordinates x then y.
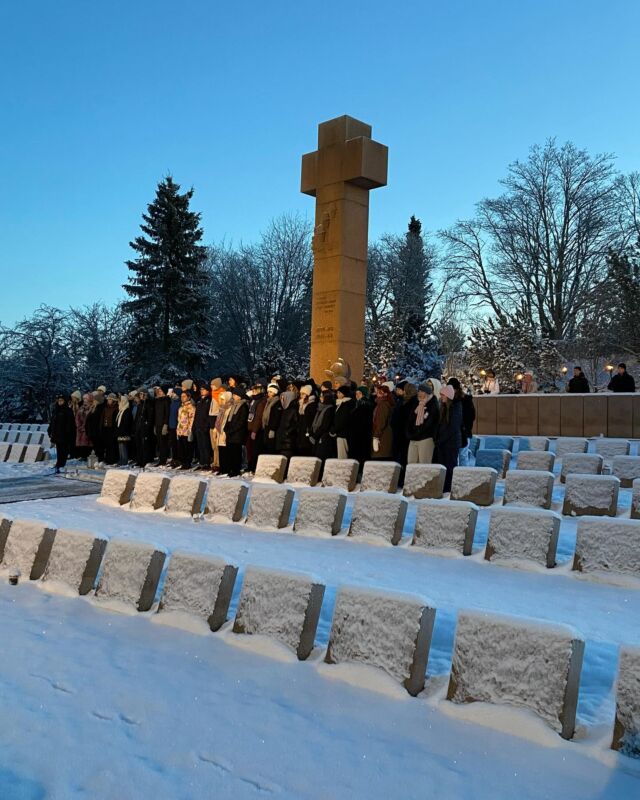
{"type": "Point", "coordinates": [579, 383]}
{"type": "Point", "coordinates": [62, 431]}
{"type": "Point", "coordinates": [449, 437]}
{"type": "Point", "coordinates": [382, 435]}
{"type": "Point", "coordinates": [422, 425]}
{"type": "Point", "coordinates": [622, 381]}
{"type": "Point", "coordinates": [528, 385]}
{"type": "Point", "coordinates": [490, 385]}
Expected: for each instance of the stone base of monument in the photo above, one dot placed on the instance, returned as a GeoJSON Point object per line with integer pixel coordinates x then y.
{"type": "Point", "coordinates": [385, 630]}
{"type": "Point", "coordinates": [626, 730]}
{"type": "Point", "coordinates": [271, 468]}
{"type": "Point", "coordinates": [117, 487]}
{"type": "Point", "coordinates": [535, 459]}
{"type": "Point", "coordinates": [27, 547]}
{"type": "Point", "coordinates": [445, 525]}
{"type": "Point", "coordinates": [533, 443]}
{"type": "Point", "coordinates": [150, 492]}
{"type": "Point", "coordinates": [529, 488]}
{"type": "Point", "coordinates": [380, 476]}
{"type": "Point", "coordinates": [304, 470]}
{"type": "Point", "coordinates": [627, 469]}
{"type": "Point", "coordinates": [569, 444]}
{"type": "Point", "coordinates": [340, 473]}
{"type": "Point", "coordinates": [281, 605]}
{"type": "Point", "coordinates": [635, 500]}
{"type": "Point", "coordinates": [131, 574]}
{"type": "Point", "coordinates": [378, 517]}
{"type": "Point", "coordinates": [320, 511]}
{"type": "Point", "coordinates": [591, 495]}
{"type": "Point", "coordinates": [523, 534]}
{"type": "Point", "coordinates": [422, 481]}
{"type": "Point", "coordinates": [509, 660]}
{"type": "Point", "coordinates": [608, 448]}
{"type": "Point", "coordinates": [581, 464]}
{"type": "Point", "coordinates": [270, 506]}
{"type": "Point", "coordinates": [608, 547]}
{"type": "Point", "coordinates": [186, 496]}
{"type": "Point", "coordinates": [226, 500]}
{"type": "Point", "coordinates": [199, 586]}
{"type": "Point", "coordinates": [474, 484]}
{"type": "Point", "coordinates": [75, 560]}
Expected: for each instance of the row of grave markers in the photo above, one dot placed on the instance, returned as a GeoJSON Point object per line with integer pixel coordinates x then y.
{"type": "Point", "coordinates": [605, 547]}
{"type": "Point", "coordinates": [389, 631]}
{"type": "Point", "coordinates": [25, 437]}
{"type": "Point", "coordinates": [24, 426]}
{"type": "Point", "coordinates": [22, 453]}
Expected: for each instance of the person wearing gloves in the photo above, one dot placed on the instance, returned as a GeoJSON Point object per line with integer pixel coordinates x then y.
{"type": "Point", "coordinates": [271, 419]}
{"type": "Point", "coordinates": [184, 431]}
{"type": "Point", "coordinates": [361, 422]}
{"type": "Point", "coordinates": [235, 430]}
{"type": "Point", "coordinates": [307, 406]}
{"type": "Point", "coordinates": [225, 402]}
{"type": "Point", "coordinates": [341, 428]}
{"type": "Point", "coordinates": [449, 436]}
{"type": "Point", "coordinates": [62, 431]}
{"type": "Point", "coordinates": [324, 445]}
{"type": "Point", "coordinates": [382, 435]}
{"type": "Point", "coordinates": [287, 433]}
{"type": "Point", "coordinates": [422, 425]}
{"type": "Point", "coordinates": [124, 428]}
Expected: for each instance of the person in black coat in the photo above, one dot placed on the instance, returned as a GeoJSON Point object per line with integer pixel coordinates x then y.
{"type": "Point", "coordinates": [307, 406]}
{"type": "Point", "coordinates": [341, 428]}
{"type": "Point", "coordinates": [287, 433]}
{"type": "Point", "coordinates": [579, 383]}
{"type": "Point", "coordinates": [201, 428]}
{"type": "Point", "coordinates": [271, 419]}
{"type": "Point", "coordinates": [468, 419]}
{"type": "Point", "coordinates": [235, 431]}
{"type": "Point", "coordinates": [62, 430]}
{"type": "Point", "coordinates": [161, 408]}
{"type": "Point", "coordinates": [622, 381]}
{"type": "Point", "coordinates": [361, 423]}
{"type": "Point", "coordinates": [124, 429]}
{"type": "Point", "coordinates": [449, 435]}
{"type": "Point", "coordinates": [324, 445]}
{"type": "Point", "coordinates": [422, 425]}
{"type": "Point", "coordinates": [143, 429]}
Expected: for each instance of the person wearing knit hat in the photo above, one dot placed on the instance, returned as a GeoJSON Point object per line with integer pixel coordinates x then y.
{"type": "Point", "coordinates": [186, 385]}
{"type": "Point", "coordinates": [360, 423]}
{"type": "Point", "coordinates": [271, 419]}
{"type": "Point", "coordinates": [77, 395]}
{"type": "Point", "coordinates": [307, 407]}
{"type": "Point", "coordinates": [381, 433]}
{"type": "Point", "coordinates": [422, 426]}
{"type": "Point", "coordinates": [253, 442]}
{"type": "Point", "coordinates": [449, 435]}
{"type": "Point", "coordinates": [306, 389]}
{"type": "Point", "coordinates": [435, 386]}
{"type": "Point", "coordinates": [235, 429]}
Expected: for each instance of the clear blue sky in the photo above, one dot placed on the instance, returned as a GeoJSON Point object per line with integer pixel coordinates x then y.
{"type": "Point", "coordinates": [98, 100]}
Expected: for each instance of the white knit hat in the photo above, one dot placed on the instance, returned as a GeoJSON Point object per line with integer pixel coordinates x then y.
{"type": "Point", "coordinates": [390, 385]}
{"type": "Point", "coordinates": [275, 387]}
{"type": "Point", "coordinates": [306, 389]}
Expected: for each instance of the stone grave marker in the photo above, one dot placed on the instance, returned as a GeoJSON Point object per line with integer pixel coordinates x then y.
{"type": "Point", "coordinates": [606, 546]}
{"type": "Point", "coordinates": [528, 487]}
{"type": "Point", "coordinates": [475, 484]}
{"type": "Point", "coordinates": [380, 476]}
{"type": "Point", "coordinates": [320, 511]}
{"type": "Point", "coordinates": [131, 573]}
{"type": "Point", "coordinates": [626, 730]}
{"type": "Point", "coordinates": [150, 492]}
{"type": "Point", "coordinates": [33, 453]}
{"type": "Point", "coordinates": [5, 526]}
{"type": "Point", "coordinates": [270, 506]}
{"type": "Point", "coordinates": [570, 444]}
{"type": "Point", "coordinates": [496, 459]}
{"type": "Point", "coordinates": [445, 525]}
{"type": "Point", "coordinates": [581, 464]}
{"type": "Point", "coordinates": [201, 586]}
{"type": "Point", "coordinates": [27, 547]}
{"type": "Point", "coordinates": [378, 516]}
{"type": "Point", "coordinates": [340, 473]}
{"type": "Point", "coordinates": [4, 451]}
{"type": "Point", "coordinates": [75, 560]}
{"type": "Point", "coordinates": [271, 468]}
{"type": "Point", "coordinates": [16, 454]}
{"type": "Point", "coordinates": [304, 470]}
{"type": "Point", "coordinates": [498, 443]}
{"type": "Point", "coordinates": [533, 444]}
{"type": "Point", "coordinates": [627, 469]}
{"type": "Point", "coordinates": [282, 605]}
{"type": "Point", "coordinates": [523, 534]}
{"type": "Point", "coordinates": [117, 487]}
{"type": "Point", "coordinates": [591, 495]}
{"type": "Point", "coordinates": [386, 630]}
{"type": "Point", "coordinates": [423, 481]}
{"type": "Point", "coordinates": [226, 500]}
{"type": "Point", "coordinates": [186, 495]}
{"type": "Point", "coordinates": [513, 661]}
{"type": "Point", "coordinates": [608, 448]}
{"type": "Point", "coordinates": [535, 459]}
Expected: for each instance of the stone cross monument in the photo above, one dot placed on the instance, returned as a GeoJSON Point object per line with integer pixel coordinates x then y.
{"type": "Point", "coordinates": [339, 174]}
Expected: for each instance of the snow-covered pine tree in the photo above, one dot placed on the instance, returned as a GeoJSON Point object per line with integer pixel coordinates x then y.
{"type": "Point", "coordinates": [169, 305]}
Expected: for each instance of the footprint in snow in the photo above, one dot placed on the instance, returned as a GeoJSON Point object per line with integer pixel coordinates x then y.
{"type": "Point", "coordinates": [225, 769]}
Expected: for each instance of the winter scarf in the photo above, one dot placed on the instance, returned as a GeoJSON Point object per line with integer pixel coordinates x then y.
{"type": "Point", "coordinates": [302, 406]}
{"type": "Point", "coordinates": [123, 405]}
{"type": "Point", "coordinates": [287, 398]}
{"type": "Point", "coordinates": [271, 402]}
{"type": "Point", "coordinates": [317, 420]}
{"type": "Point", "coordinates": [386, 399]}
{"type": "Point", "coordinates": [421, 411]}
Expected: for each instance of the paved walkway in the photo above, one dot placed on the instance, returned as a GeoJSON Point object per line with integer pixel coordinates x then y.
{"type": "Point", "coordinates": [47, 487]}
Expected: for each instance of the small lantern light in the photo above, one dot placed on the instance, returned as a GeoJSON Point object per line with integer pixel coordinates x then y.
{"type": "Point", "coordinates": [483, 373]}
{"type": "Point", "coordinates": [519, 376]}
{"type": "Point", "coordinates": [564, 370]}
{"type": "Point", "coordinates": [609, 368]}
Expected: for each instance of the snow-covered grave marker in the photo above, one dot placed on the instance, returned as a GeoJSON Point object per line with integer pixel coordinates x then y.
{"type": "Point", "coordinates": [378, 516]}
{"type": "Point", "coordinates": [131, 573]}
{"type": "Point", "coordinates": [200, 586]}
{"type": "Point", "coordinates": [606, 546]}
{"type": "Point", "coordinates": [523, 534]}
{"type": "Point", "coordinates": [11, 436]}
{"type": "Point", "coordinates": [569, 444]}
{"type": "Point", "coordinates": [535, 459]}
{"type": "Point", "coordinates": [37, 438]}
{"type": "Point", "coordinates": [591, 495]}
{"type": "Point", "coordinates": [117, 487]}
{"type": "Point", "coordinates": [271, 468]}
{"type": "Point", "coordinates": [281, 605]}
{"type": "Point", "coordinates": [528, 487]}
{"type": "Point", "coordinates": [75, 560]}
{"type": "Point", "coordinates": [380, 476]}
{"type": "Point", "coordinates": [581, 464]}
{"type": "Point", "coordinates": [533, 444]}
{"type": "Point", "coordinates": [497, 459]}
{"type": "Point", "coordinates": [33, 453]}
{"type": "Point", "coordinates": [387, 630]}
{"type": "Point", "coordinates": [445, 525]}
{"type": "Point", "coordinates": [150, 492]}
{"type": "Point", "coordinates": [608, 448]}
{"type": "Point", "coordinates": [225, 500]}
{"type": "Point", "coordinates": [513, 661]}
{"type": "Point", "coordinates": [186, 495]}
{"type": "Point", "coordinates": [27, 547]}
{"type": "Point", "coordinates": [270, 506]}
{"type": "Point", "coordinates": [423, 481]}
{"type": "Point", "coordinates": [16, 454]}
{"type": "Point", "coordinates": [341, 473]}
{"type": "Point", "coordinates": [626, 730]}
{"type": "Point", "coordinates": [475, 484]}
{"type": "Point", "coordinates": [5, 526]}
{"type": "Point", "coordinates": [320, 511]}
{"type": "Point", "coordinates": [498, 443]}
{"type": "Point", "coordinates": [4, 451]}
{"type": "Point", "coordinates": [627, 468]}
{"type": "Point", "coordinates": [304, 470]}
{"type": "Point", "coordinates": [24, 437]}
{"type": "Point", "coordinates": [635, 500]}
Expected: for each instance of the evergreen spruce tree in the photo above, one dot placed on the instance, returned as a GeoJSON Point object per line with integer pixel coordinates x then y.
{"type": "Point", "coordinates": [168, 287]}
{"type": "Point", "coordinates": [415, 284]}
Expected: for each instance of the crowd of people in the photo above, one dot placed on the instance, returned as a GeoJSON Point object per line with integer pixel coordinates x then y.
{"type": "Point", "coordinates": [224, 426]}
{"type": "Point", "coordinates": [622, 381]}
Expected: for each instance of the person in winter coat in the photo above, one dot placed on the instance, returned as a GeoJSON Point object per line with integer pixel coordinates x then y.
{"type": "Point", "coordinates": [184, 431]}
{"type": "Point", "coordinates": [254, 426]}
{"type": "Point", "coordinates": [83, 443]}
{"type": "Point", "coordinates": [579, 383]}
{"type": "Point", "coordinates": [468, 419]}
{"type": "Point", "coordinates": [490, 385]}
{"type": "Point", "coordinates": [622, 381]}
{"type": "Point", "coordinates": [201, 428]}
{"type": "Point", "coordinates": [528, 385]}
{"type": "Point", "coordinates": [341, 428]}
{"type": "Point", "coordinates": [324, 445]}
{"type": "Point", "coordinates": [174, 407]}
{"type": "Point", "coordinates": [287, 433]}
{"type": "Point", "coordinates": [271, 418]}
{"type": "Point", "coordinates": [62, 431]}
{"type": "Point", "coordinates": [406, 401]}
{"type": "Point", "coordinates": [124, 429]}
{"type": "Point", "coordinates": [109, 436]}
{"type": "Point", "coordinates": [143, 429]}
{"type": "Point", "coordinates": [381, 433]}
{"type": "Point", "coordinates": [361, 423]}
{"type": "Point", "coordinates": [161, 413]}
{"type": "Point", "coordinates": [225, 403]}
{"type": "Point", "coordinates": [93, 424]}
{"type": "Point", "coordinates": [422, 425]}
{"type": "Point", "coordinates": [307, 407]}
{"type": "Point", "coordinates": [235, 430]}
{"type": "Point", "coordinates": [215, 388]}
{"type": "Point", "coordinates": [449, 436]}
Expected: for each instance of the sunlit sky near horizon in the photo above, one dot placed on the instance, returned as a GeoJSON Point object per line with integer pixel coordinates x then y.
{"type": "Point", "coordinates": [98, 101]}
